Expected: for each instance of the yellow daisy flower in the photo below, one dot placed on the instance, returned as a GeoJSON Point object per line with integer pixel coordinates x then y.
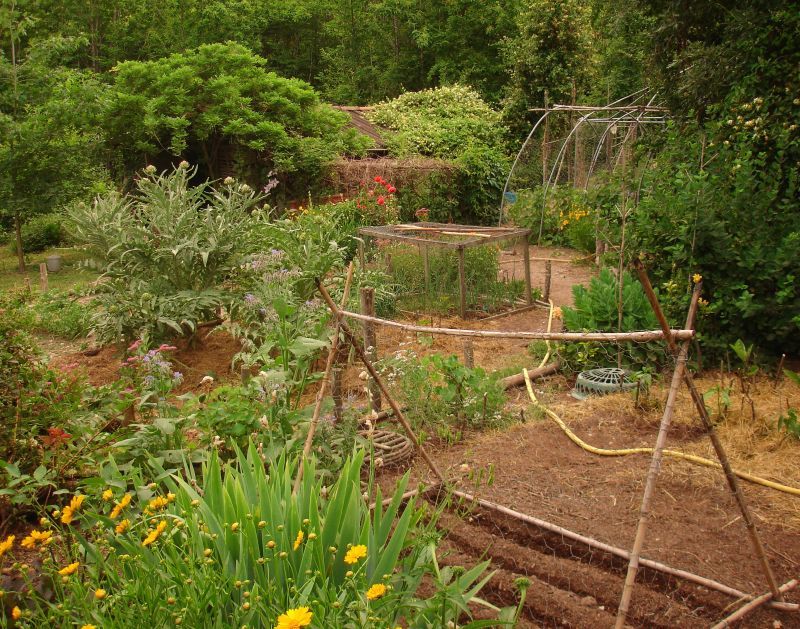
{"type": "Point", "coordinates": [100, 594]}
{"type": "Point", "coordinates": [7, 545]}
{"type": "Point", "coordinates": [35, 538]}
{"type": "Point", "coordinates": [108, 494]}
{"type": "Point", "coordinates": [69, 570]}
{"type": "Point", "coordinates": [355, 553]}
{"type": "Point", "coordinates": [16, 613]}
{"type": "Point", "coordinates": [153, 535]}
{"type": "Point", "coordinates": [117, 510]}
{"type": "Point", "coordinates": [123, 526]}
{"type": "Point", "coordinates": [68, 514]}
{"type": "Point", "coordinates": [376, 591]}
{"type": "Point", "coordinates": [298, 540]}
{"type": "Point", "coordinates": [294, 618]}
{"type": "Point", "coordinates": [696, 278]}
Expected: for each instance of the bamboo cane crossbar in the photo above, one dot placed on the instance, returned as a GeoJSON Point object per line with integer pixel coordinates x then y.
{"type": "Point", "coordinates": [432, 234]}
{"type": "Point", "coordinates": [609, 337]}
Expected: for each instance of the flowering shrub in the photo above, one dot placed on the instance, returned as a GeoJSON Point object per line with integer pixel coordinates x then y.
{"type": "Point", "coordinates": [240, 549]}
{"type": "Point", "coordinates": [377, 203]}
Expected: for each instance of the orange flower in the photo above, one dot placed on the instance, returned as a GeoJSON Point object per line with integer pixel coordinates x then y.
{"type": "Point", "coordinates": [153, 535]}
{"type": "Point", "coordinates": [35, 538]}
{"type": "Point", "coordinates": [122, 526]}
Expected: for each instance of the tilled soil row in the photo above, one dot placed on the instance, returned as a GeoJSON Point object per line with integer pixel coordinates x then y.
{"type": "Point", "coordinates": [573, 585]}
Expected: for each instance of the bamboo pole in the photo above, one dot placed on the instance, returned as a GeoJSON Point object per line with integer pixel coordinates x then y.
{"type": "Point", "coordinates": [372, 372]}
{"type": "Point", "coordinates": [323, 385]}
{"type": "Point", "coordinates": [618, 552]}
{"type": "Point", "coordinates": [412, 493]}
{"type": "Point", "coordinates": [730, 476]}
{"type": "Point", "coordinates": [634, 337]}
{"type": "Point", "coordinates": [752, 605]}
{"type": "Point", "coordinates": [655, 468]}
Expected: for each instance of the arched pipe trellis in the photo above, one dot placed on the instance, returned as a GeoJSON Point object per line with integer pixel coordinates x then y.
{"type": "Point", "coordinates": [628, 112]}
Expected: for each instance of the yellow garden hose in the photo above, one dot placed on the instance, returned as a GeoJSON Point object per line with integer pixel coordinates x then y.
{"type": "Point", "coordinates": [671, 453]}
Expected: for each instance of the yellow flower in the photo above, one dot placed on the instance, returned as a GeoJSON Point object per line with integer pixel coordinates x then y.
{"type": "Point", "coordinates": [108, 494]}
{"type": "Point", "coordinates": [355, 553]}
{"type": "Point", "coordinates": [702, 302]}
{"type": "Point", "coordinates": [170, 497]}
{"type": "Point", "coordinates": [122, 526]}
{"type": "Point", "coordinates": [16, 613]}
{"type": "Point", "coordinates": [117, 510]}
{"type": "Point", "coordinates": [155, 533]}
{"type": "Point", "coordinates": [70, 569]}
{"type": "Point", "coordinates": [696, 278]}
{"type": "Point", "coordinates": [100, 594]}
{"type": "Point", "coordinates": [68, 514]}
{"type": "Point", "coordinates": [376, 591]}
{"type": "Point", "coordinates": [7, 544]}
{"type": "Point", "coordinates": [298, 540]}
{"type": "Point", "coordinates": [294, 618]}
{"type": "Point", "coordinates": [37, 537]}
{"type": "Point", "coordinates": [88, 627]}
{"type": "Point", "coordinates": [157, 504]}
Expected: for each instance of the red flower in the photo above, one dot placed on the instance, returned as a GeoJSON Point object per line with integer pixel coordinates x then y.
{"type": "Point", "coordinates": [378, 179]}
{"type": "Point", "coordinates": [55, 437]}
{"type": "Point", "coordinates": [391, 189]}
{"type": "Point", "coordinates": [381, 201]}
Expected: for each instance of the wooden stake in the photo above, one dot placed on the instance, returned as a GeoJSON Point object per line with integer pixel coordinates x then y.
{"type": "Point", "coordinates": [548, 274]}
{"type": "Point", "coordinates": [469, 356]}
{"type": "Point", "coordinates": [371, 342]}
{"type": "Point", "coordinates": [348, 333]}
{"type": "Point", "coordinates": [462, 285]}
{"type": "Point", "coordinates": [334, 350]}
{"type": "Point", "coordinates": [697, 398]}
{"type": "Point", "coordinates": [43, 277]}
{"type": "Point", "coordinates": [655, 468]}
{"type": "Point", "coordinates": [526, 262]}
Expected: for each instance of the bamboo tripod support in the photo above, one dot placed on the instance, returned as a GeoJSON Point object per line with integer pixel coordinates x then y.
{"type": "Point", "coordinates": [682, 374]}
{"type": "Point", "coordinates": [655, 468]}
{"type": "Point", "coordinates": [323, 385]}
{"type": "Point", "coordinates": [359, 349]}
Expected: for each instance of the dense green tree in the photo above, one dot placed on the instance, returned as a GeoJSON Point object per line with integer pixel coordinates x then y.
{"type": "Point", "coordinates": [220, 99]}
{"type": "Point", "coordinates": [48, 138]}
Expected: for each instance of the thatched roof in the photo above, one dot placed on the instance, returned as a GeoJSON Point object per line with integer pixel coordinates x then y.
{"type": "Point", "coordinates": [361, 124]}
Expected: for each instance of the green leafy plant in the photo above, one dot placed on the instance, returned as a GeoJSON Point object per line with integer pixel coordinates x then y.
{"type": "Point", "coordinates": [40, 233]}
{"type": "Point", "coordinates": [445, 397]}
{"type": "Point", "coordinates": [166, 251]}
{"type": "Point", "coordinates": [596, 309]}
{"type": "Point", "coordinates": [238, 547]}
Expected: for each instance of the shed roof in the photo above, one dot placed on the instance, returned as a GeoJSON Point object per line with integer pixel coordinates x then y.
{"type": "Point", "coordinates": [359, 121]}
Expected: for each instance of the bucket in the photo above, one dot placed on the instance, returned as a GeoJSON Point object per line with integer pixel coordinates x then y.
{"type": "Point", "coordinates": [53, 264]}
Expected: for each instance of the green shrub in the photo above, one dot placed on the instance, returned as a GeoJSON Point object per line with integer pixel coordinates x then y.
{"type": "Point", "coordinates": [40, 233]}
{"type": "Point", "coordinates": [62, 315]}
{"type": "Point", "coordinates": [595, 309]}
{"type": "Point", "coordinates": [451, 123]}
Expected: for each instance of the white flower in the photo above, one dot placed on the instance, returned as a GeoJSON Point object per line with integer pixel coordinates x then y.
{"type": "Point", "coordinates": [183, 164]}
{"type": "Point", "coordinates": [363, 375]}
{"type": "Point", "coordinates": [207, 380]}
{"type": "Point", "coordinates": [150, 169]}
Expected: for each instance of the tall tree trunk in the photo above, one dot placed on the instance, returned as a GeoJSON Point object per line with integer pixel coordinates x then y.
{"type": "Point", "coordinates": [18, 234]}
